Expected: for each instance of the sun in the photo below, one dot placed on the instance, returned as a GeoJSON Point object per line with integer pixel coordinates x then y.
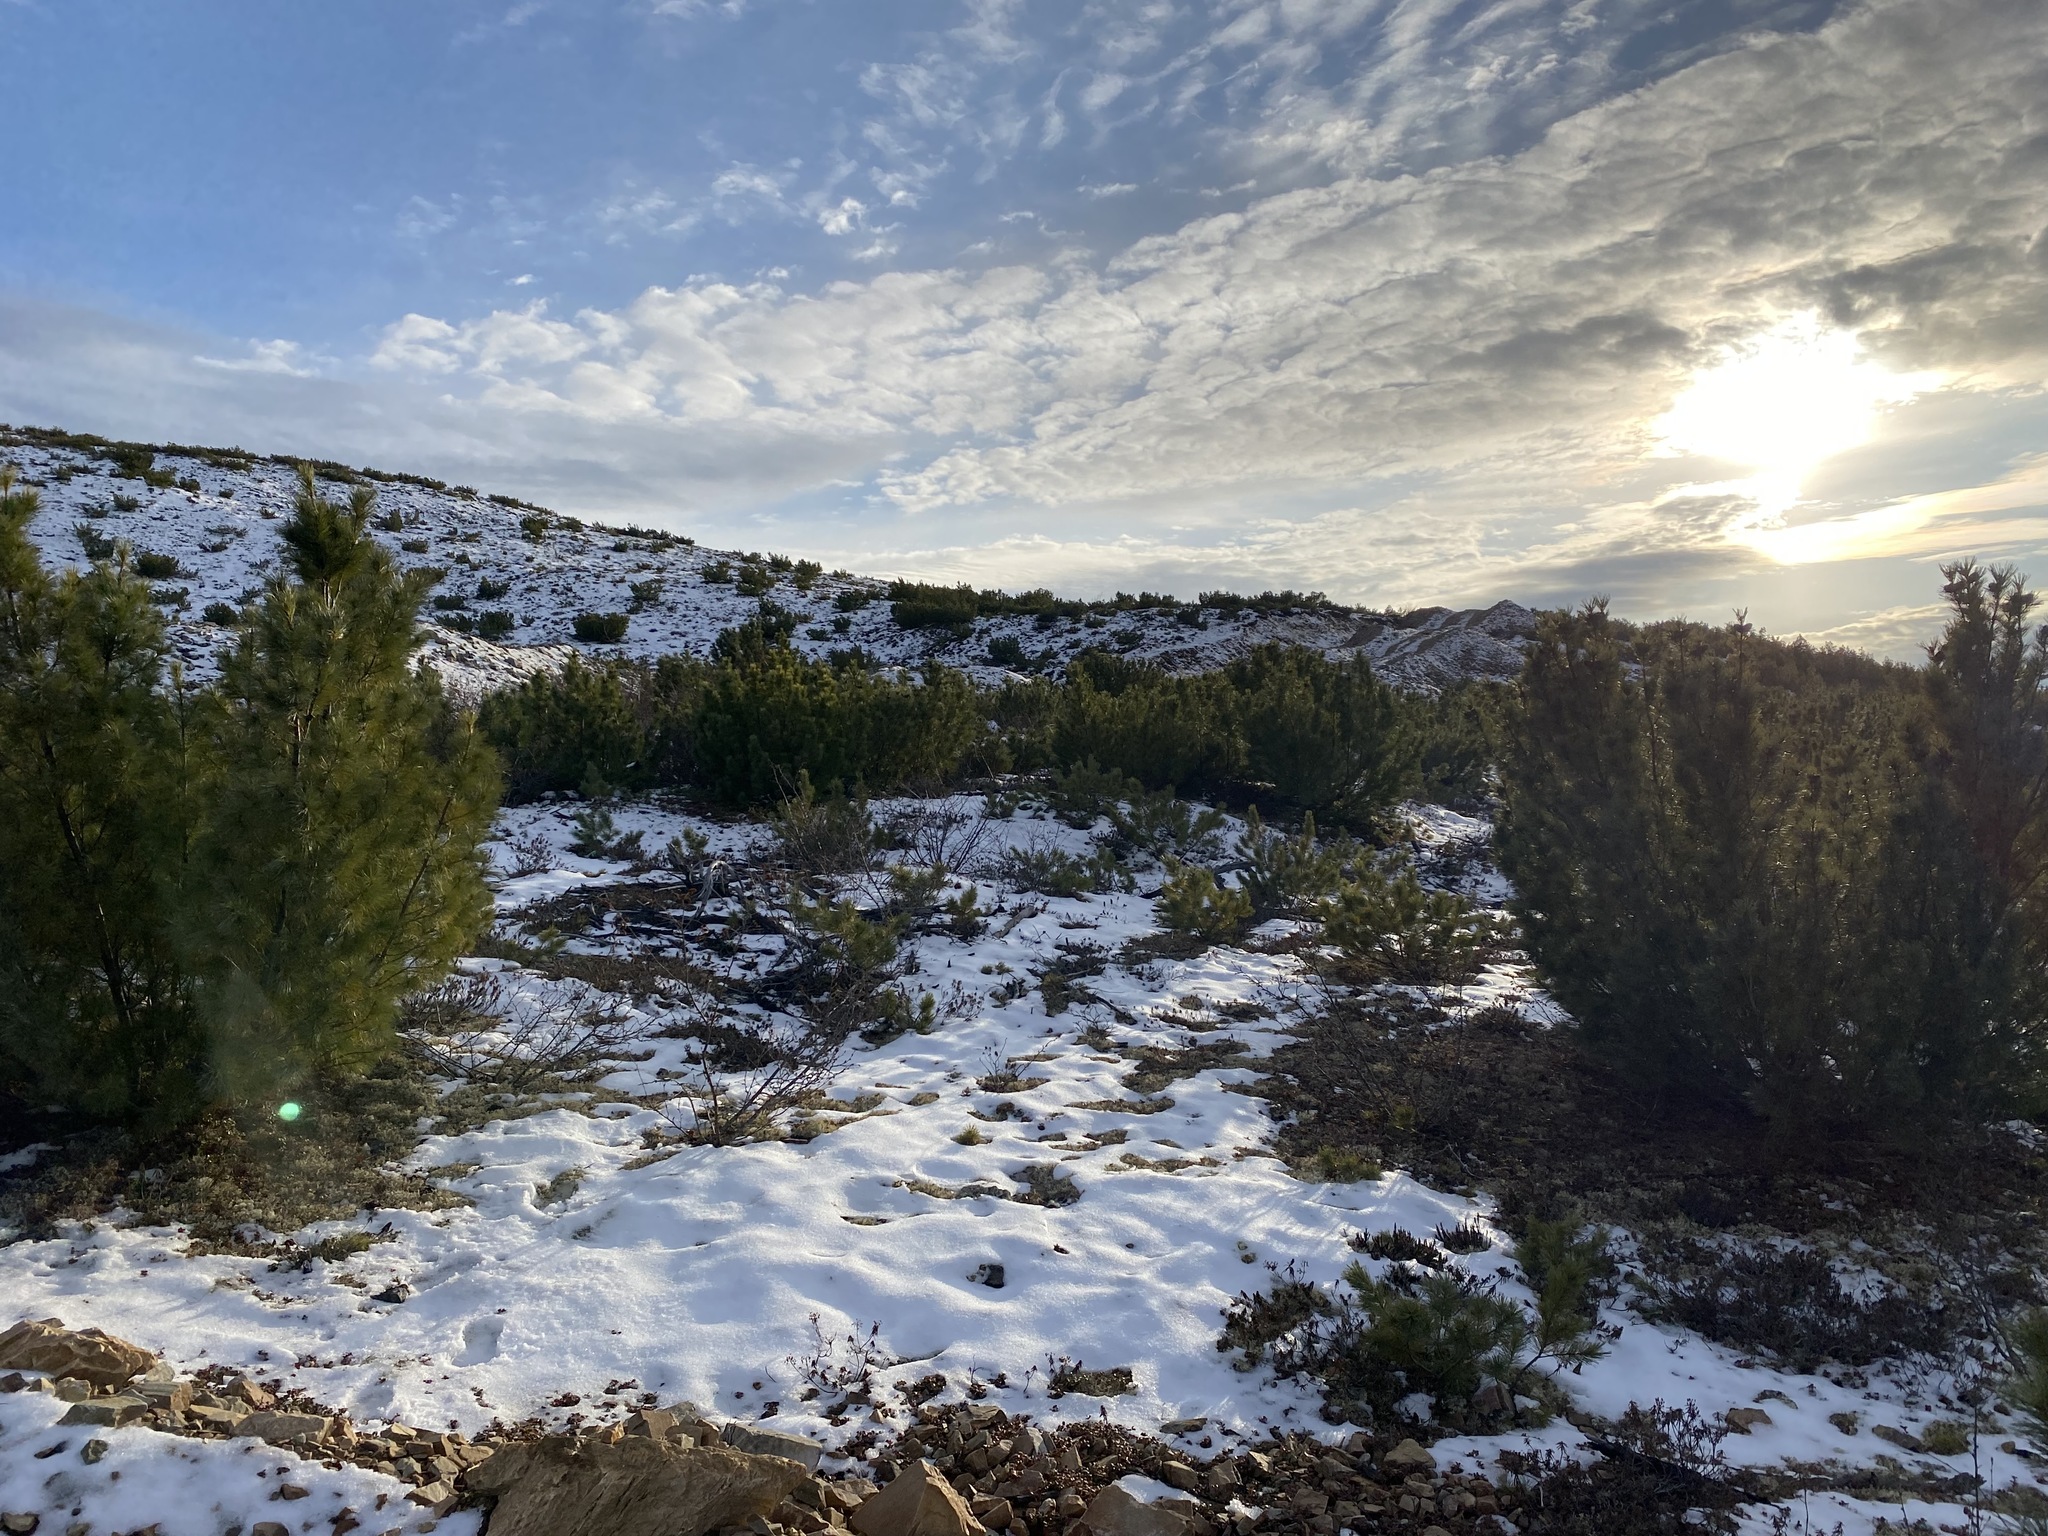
{"type": "Point", "coordinates": [1781, 404]}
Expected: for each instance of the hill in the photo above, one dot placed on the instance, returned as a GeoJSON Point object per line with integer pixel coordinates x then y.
{"type": "Point", "coordinates": [207, 518]}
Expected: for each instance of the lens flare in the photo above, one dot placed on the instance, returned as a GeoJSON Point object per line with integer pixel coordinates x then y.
{"type": "Point", "coordinates": [288, 1111]}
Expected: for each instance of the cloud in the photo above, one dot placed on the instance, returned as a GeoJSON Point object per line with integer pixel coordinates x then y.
{"type": "Point", "coordinates": [1518, 321]}
{"type": "Point", "coordinates": [273, 357]}
{"type": "Point", "coordinates": [1418, 375]}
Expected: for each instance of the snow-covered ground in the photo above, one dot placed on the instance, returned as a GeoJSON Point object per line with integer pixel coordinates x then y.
{"type": "Point", "coordinates": [221, 529]}
{"type": "Point", "coordinates": [603, 1257]}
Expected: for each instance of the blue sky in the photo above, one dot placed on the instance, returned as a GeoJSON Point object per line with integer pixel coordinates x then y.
{"type": "Point", "coordinates": [1703, 305]}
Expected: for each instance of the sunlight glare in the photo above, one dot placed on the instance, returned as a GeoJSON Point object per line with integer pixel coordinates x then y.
{"type": "Point", "coordinates": [1780, 405]}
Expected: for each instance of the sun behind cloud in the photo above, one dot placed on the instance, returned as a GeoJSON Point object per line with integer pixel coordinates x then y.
{"type": "Point", "coordinates": [1779, 405]}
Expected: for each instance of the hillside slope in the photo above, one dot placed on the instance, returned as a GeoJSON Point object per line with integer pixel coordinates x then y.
{"type": "Point", "coordinates": [214, 512]}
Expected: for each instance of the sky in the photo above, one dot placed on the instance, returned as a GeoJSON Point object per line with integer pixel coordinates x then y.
{"type": "Point", "coordinates": [1701, 305]}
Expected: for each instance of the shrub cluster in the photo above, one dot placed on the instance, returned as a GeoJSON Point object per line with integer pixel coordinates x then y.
{"type": "Point", "coordinates": [926, 605]}
{"type": "Point", "coordinates": [743, 725]}
{"type": "Point", "coordinates": [213, 894]}
{"type": "Point", "coordinates": [1798, 877]}
{"type": "Point", "coordinates": [1281, 722]}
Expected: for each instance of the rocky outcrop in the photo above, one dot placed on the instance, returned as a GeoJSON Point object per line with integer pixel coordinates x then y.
{"type": "Point", "coordinates": [84, 1354]}
{"type": "Point", "coordinates": [1434, 648]}
{"type": "Point", "coordinates": [638, 1485]}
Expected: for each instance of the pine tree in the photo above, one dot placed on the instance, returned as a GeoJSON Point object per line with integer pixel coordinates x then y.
{"type": "Point", "coordinates": [340, 865]}
{"type": "Point", "coordinates": [94, 821]}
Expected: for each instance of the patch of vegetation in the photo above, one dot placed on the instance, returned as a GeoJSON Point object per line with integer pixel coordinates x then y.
{"type": "Point", "coordinates": [1376, 1341]}
{"type": "Point", "coordinates": [157, 567]}
{"type": "Point", "coordinates": [1193, 902]}
{"type": "Point", "coordinates": [1795, 877]}
{"type": "Point", "coordinates": [217, 896]}
{"type": "Point", "coordinates": [600, 628]}
{"type": "Point", "coordinates": [1786, 1302]}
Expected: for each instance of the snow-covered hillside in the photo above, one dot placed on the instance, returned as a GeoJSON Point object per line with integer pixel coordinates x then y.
{"type": "Point", "coordinates": [1054, 1175]}
{"type": "Point", "coordinates": [1038, 1194]}
{"type": "Point", "coordinates": [216, 514]}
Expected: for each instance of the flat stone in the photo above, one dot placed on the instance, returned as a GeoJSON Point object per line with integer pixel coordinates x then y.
{"type": "Point", "coordinates": [277, 1428]}
{"type": "Point", "coordinates": [438, 1497]}
{"type": "Point", "coordinates": [773, 1442]}
{"type": "Point", "coordinates": [169, 1396]}
{"type": "Point", "coordinates": [106, 1411]}
{"type": "Point", "coordinates": [1408, 1457]}
{"type": "Point", "coordinates": [1118, 1512]}
{"type": "Point", "coordinates": [84, 1354]}
{"type": "Point", "coordinates": [636, 1486]}
{"type": "Point", "coordinates": [918, 1502]}
{"type": "Point", "coordinates": [22, 1524]}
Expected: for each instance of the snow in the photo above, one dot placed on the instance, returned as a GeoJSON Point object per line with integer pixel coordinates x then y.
{"type": "Point", "coordinates": [744, 1277]}
{"type": "Point", "coordinates": [185, 1487]}
{"type": "Point", "coordinates": [740, 1276]}
{"type": "Point", "coordinates": [224, 535]}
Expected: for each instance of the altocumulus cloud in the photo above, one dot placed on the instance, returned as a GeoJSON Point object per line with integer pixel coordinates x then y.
{"type": "Point", "coordinates": [1438, 382]}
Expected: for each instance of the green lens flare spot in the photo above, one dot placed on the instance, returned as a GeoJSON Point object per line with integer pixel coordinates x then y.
{"type": "Point", "coordinates": [288, 1111]}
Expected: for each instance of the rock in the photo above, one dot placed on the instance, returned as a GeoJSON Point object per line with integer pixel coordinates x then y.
{"type": "Point", "coordinates": [917, 1502]}
{"type": "Point", "coordinates": [999, 1515]}
{"type": "Point", "coordinates": [270, 1528]}
{"type": "Point", "coordinates": [1117, 1512]}
{"type": "Point", "coordinates": [1492, 1398]}
{"type": "Point", "coordinates": [167, 1396]}
{"type": "Point", "coordinates": [1181, 1426]}
{"type": "Point", "coordinates": [13, 1381]}
{"type": "Point", "coordinates": [72, 1390]}
{"type": "Point", "coordinates": [21, 1524]}
{"type": "Point", "coordinates": [109, 1412]}
{"type": "Point", "coordinates": [438, 1497]}
{"type": "Point", "coordinates": [292, 1492]}
{"type": "Point", "coordinates": [394, 1294]}
{"type": "Point", "coordinates": [990, 1275]}
{"type": "Point", "coordinates": [636, 1486]}
{"type": "Point", "coordinates": [1892, 1435]}
{"type": "Point", "coordinates": [1179, 1474]}
{"type": "Point", "coordinates": [1026, 1483]}
{"type": "Point", "coordinates": [93, 1452]}
{"type": "Point", "coordinates": [254, 1393]}
{"type": "Point", "coordinates": [848, 1494]}
{"type": "Point", "coordinates": [656, 1423]}
{"type": "Point", "coordinates": [222, 1419]}
{"type": "Point", "coordinates": [1742, 1420]}
{"type": "Point", "coordinates": [278, 1428]}
{"type": "Point", "coordinates": [1847, 1423]}
{"type": "Point", "coordinates": [773, 1442]}
{"type": "Point", "coordinates": [86, 1354]}
{"type": "Point", "coordinates": [1407, 1457]}
{"type": "Point", "coordinates": [1222, 1478]}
